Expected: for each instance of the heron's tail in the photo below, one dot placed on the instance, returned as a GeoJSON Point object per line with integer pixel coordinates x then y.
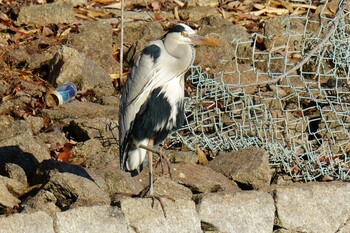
{"type": "Point", "coordinates": [135, 157]}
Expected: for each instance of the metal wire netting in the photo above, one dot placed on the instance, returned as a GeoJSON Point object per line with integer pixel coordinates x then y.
{"type": "Point", "coordinates": [303, 120]}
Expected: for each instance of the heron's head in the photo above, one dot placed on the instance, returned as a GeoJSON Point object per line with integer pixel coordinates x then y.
{"type": "Point", "coordinates": [183, 34]}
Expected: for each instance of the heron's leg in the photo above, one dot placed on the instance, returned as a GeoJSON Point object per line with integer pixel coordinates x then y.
{"type": "Point", "coordinates": [161, 156]}
{"type": "Point", "coordinates": [150, 164]}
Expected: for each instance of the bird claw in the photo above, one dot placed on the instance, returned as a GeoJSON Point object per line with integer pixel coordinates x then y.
{"type": "Point", "coordinates": [159, 199]}
{"type": "Point", "coordinates": [160, 161]}
{"type": "Point", "coordinates": [147, 194]}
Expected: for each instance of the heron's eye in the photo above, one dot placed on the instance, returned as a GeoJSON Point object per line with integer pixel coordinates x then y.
{"type": "Point", "coordinates": [183, 34]}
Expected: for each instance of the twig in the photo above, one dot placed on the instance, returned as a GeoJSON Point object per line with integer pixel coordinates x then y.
{"type": "Point", "coordinates": [121, 41]}
{"type": "Point", "coordinates": [311, 53]}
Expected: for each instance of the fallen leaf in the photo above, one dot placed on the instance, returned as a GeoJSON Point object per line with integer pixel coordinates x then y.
{"type": "Point", "coordinates": [65, 152]}
{"type": "Point", "coordinates": [202, 158]}
{"type": "Point", "coordinates": [64, 156]}
{"type": "Point", "coordinates": [104, 1]}
{"type": "Point", "coordinates": [46, 121]}
{"type": "Point", "coordinates": [116, 5]}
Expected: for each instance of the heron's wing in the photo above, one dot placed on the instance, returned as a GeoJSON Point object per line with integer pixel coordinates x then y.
{"type": "Point", "coordinates": [146, 75]}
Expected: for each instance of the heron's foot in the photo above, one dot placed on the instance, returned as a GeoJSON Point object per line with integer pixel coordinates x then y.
{"type": "Point", "coordinates": [161, 160]}
{"type": "Point", "coordinates": [158, 198]}
{"type": "Point", "coordinates": [146, 193]}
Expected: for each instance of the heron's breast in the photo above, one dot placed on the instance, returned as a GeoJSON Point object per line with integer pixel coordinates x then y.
{"type": "Point", "coordinates": [174, 93]}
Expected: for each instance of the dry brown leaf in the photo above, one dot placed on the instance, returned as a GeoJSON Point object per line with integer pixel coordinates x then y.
{"type": "Point", "coordinates": [178, 2]}
{"type": "Point", "coordinates": [202, 158]}
{"type": "Point", "coordinates": [95, 14]}
{"type": "Point", "coordinates": [105, 1]}
{"type": "Point", "coordinates": [64, 156]}
{"type": "Point", "coordinates": [233, 5]}
{"type": "Point", "coordinates": [65, 32]}
{"type": "Point", "coordinates": [46, 121]}
{"type": "Point", "coordinates": [65, 152]}
{"type": "Point", "coordinates": [47, 31]}
{"type": "Point", "coordinates": [333, 6]}
{"type": "Point", "coordinates": [116, 5]}
{"type": "Point", "coordinates": [4, 17]}
{"type": "Point", "coordinates": [81, 16]}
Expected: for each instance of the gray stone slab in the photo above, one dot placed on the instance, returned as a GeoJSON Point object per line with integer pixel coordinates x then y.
{"type": "Point", "coordinates": [91, 220]}
{"type": "Point", "coordinates": [38, 222]}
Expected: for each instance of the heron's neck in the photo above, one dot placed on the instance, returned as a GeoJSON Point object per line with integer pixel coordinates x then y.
{"type": "Point", "coordinates": [185, 53]}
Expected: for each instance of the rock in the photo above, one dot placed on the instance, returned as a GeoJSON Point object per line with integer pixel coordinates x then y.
{"type": "Point", "coordinates": [207, 55]}
{"type": "Point", "coordinates": [201, 179]}
{"type": "Point", "coordinates": [140, 34]}
{"type": "Point", "coordinates": [312, 207]}
{"type": "Point", "coordinates": [4, 37]}
{"type": "Point", "coordinates": [7, 199]}
{"type": "Point", "coordinates": [136, 30]}
{"type": "Point", "coordinates": [35, 54]}
{"type": "Point", "coordinates": [77, 109]}
{"type": "Point", "coordinates": [20, 103]}
{"type": "Point", "coordinates": [53, 13]}
{"type": "Point", "coordinates": [228, 31]}
{"type": "Point", "coordinates": [181, 215]}
{"type": "Point", "coordinates": [106, 165]}
{"type": "Point", "coordinates": [74, 2]}
{"type": "Point", "coordinates": [281, 230]}
{"type": "Point", "coordinates": [15, 155]}
{"type": "Point", "coordinates": [16, 188]}
{"type": "Point", "coordinates": [54, 139]}
{"type": "Point", "coordinates": [36, 123]}
{"type": "Point", "coordinates": [20, 54]}
{"type": "Point", "coordinates": [16, 172]}
{"type": "Point", "coordinates": [234, 43]}
{"type": "Point", "coordinates": [32, 222]}
{"type": "Point", "coordinates": [105, 219]}
{"type": "Point", "coordinates": [196, 13]}
{"type": "Point", "coordinates": [211, 3]}
{"type": "Point", "coordinates": [169, 188]}
{"type": "Point", "coordinates": [345, 228]}
{"type": "Point", "coordinates": [95, 41]}
{"type": "Point", "coordinates": [243, 74]}
{"type": "Point", "coordinates": [275, 31]}
{"type": "Point", "coordinates": [248, 211]}
{"type": "Point", "coordinates": [72, 191]}
{"type": "Point", "coordinates": [28, 144]}
{"type": "Point", "coordinates": [47, 168]}
{"type": "Point", "coordinates": [41, 201]}
{"type": "Point", "coordinates": [84, 150]}
{"type": "Point", "coordinates": [111, 100]}
{"type": "Point", "coordinates": [100, 128]}
{"type": "Point", "coordinates": [248, 167]}
{"type": "Point", "coordinates": [182, 156]}
{"type": "Point", "coordinates": [13, 129]}
{"type": "Point", "coordinates": [41, 58]}
{"type": "Point", "coordinates": [68, 65]}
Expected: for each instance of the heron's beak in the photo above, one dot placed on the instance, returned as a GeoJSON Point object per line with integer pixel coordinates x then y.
{"type": "Point", "coordinates": [201, 40]}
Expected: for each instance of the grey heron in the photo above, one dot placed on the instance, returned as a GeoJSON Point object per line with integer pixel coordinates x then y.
{"type": "Point", "coordinates": [152, 104]}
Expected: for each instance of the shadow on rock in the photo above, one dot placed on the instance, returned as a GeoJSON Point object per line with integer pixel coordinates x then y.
{"type": "Point", "coordinates": [47, 166]}
{"type": "Point", "coordinates": [15, 155]}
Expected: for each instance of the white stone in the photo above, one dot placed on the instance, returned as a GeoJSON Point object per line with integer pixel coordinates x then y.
{"type": "Point", "coordinates": [91, 220]}
{"type": "Point", "coordinates": [39, 222]}
{"type": "Point", "coordinates": [247, 211]}
{"type": "Point", "coordinates": [313, 207]}
{"type": "Point", "coordinates": [181, 216]}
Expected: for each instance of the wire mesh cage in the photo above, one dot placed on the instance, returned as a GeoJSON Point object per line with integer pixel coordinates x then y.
{"type": "Point", "coordinates": [302, 120]}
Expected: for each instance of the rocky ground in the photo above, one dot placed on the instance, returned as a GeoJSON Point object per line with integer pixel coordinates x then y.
{"type": "Point", "coordinates": [59, 167]}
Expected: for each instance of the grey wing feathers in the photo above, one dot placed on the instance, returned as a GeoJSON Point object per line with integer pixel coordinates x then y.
{"type": "Point", "coordinates": [134, 95]}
